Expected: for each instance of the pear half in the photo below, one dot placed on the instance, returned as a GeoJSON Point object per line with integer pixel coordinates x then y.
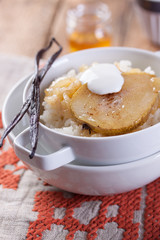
{"type": "Point", "coordinates": [116, 113]}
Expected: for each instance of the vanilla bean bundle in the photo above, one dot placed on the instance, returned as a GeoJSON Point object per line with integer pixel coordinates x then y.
{"type": "Point", "coordinates": [33, 101]}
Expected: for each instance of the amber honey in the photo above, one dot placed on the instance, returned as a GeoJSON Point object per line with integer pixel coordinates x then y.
{"type": "Point", "coordinates": [89, 26]}
{"type": "Point", "coordinates": [78, 41]}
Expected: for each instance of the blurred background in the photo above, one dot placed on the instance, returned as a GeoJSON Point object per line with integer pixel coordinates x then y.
{"type": "Point", "coordinates": [27, 25]}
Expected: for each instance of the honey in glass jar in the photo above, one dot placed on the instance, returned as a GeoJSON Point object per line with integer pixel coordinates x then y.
{"type": "Point", "coordinates": [89, 26]}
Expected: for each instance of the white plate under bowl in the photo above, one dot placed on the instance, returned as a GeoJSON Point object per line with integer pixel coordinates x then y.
{"type": "Point", "coordinates": [89, 180]}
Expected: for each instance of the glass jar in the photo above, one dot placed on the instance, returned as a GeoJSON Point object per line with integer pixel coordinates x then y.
{"type": "Point", "coordinates": [89, 26]}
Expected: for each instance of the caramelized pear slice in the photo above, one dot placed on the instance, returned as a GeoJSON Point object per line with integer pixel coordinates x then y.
{"type": "Point", "coordinates": [116, 113]}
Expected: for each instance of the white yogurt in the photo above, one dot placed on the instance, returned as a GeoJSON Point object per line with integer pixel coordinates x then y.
{"type": "Point", "coordinates": [103, 78]}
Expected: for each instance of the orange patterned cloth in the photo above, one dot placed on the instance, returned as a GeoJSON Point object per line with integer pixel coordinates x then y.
{"type": "Point", "coordinates": [33, 210]}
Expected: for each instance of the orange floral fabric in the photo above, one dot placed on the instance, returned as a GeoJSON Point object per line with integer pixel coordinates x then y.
{"type": "Point", "coordinates": [47, 201]}
{"type": "Point", "coordinates": [8, 179]}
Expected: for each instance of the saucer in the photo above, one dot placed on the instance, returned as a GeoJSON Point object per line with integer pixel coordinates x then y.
{"type": "Point", "coordinates": [88, 180]}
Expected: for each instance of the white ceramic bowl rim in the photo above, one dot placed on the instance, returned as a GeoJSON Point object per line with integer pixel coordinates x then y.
{"type": "Point", "coordinates": [71, 165]}
{"type": "Point", "coordinates": [126, 135]}
{"type": "Point", "coordinates": [88, 180]}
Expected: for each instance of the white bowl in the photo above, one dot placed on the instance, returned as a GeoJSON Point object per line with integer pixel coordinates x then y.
{"type": "Point", "coordinates": [89, 180]}
{"type": "Point", "coordinates": [92, 150]}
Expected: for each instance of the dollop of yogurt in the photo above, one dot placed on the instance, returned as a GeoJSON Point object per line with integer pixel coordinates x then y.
{"type": "Point", "coordinates": [102, 78]}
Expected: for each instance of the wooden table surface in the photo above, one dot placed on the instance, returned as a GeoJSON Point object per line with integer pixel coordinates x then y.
{"type": "Point", "coordinates": [26, 25]}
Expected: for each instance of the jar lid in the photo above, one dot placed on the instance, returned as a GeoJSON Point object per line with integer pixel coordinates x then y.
{"type": "Point", "coordinates": [150, 5]}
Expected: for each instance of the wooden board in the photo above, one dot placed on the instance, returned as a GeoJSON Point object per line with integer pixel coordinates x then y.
{"type": "Point", "coordinates": [26, 25]}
